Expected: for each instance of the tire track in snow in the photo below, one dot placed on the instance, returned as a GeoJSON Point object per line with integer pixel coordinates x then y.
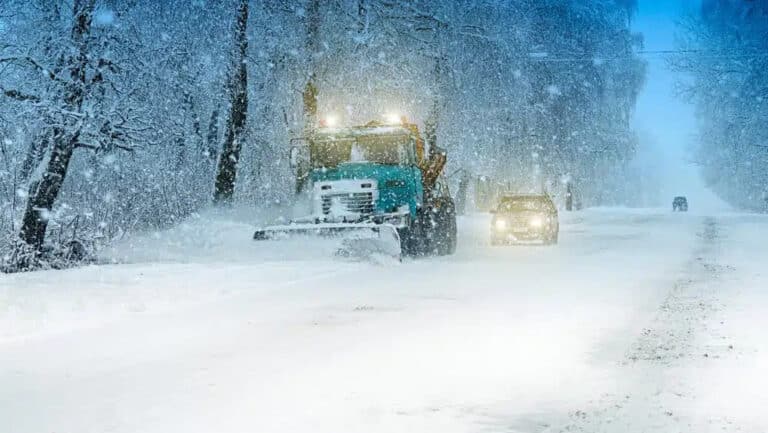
{"type": "Point", "coordinates": [670, 343]}
{"type": "Point", "coordinates": [686, 309]}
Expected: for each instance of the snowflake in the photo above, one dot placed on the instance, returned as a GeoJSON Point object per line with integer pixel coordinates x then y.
{"type": "Point", "coordinates": [104, 18]}
{"type": "Point", "coordinates": [553, 90]}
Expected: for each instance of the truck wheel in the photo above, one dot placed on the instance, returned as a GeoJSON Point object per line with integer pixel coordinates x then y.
{"type": "Point", "coordinates": [415, 239]}
{"type": "Point", "coordinates": [405, 241]}
{"type": "Point", "coordinates": [430, 232]}
{"type": "Point", "coordinates": [410, 240]}
{"type": "Point", "coordinates": [447, 232]}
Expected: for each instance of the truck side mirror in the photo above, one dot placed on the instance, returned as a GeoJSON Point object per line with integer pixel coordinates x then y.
{"type": "Point", "coordinates": [299, 154]}
{"type": "Point", "coordinates": [296, 156]}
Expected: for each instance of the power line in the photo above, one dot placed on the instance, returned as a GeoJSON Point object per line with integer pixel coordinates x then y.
{"type": "Point", "coordinates": [701, 54]}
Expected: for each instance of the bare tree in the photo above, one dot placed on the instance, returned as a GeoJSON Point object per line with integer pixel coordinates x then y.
{"type": "Point", "coordinates": [723, 56]}
{"type": "Point", "coordinates": [65, 138]}
{"type": "Point", "coordinates": [309, 96]}
{"type": "Point", "coordinates": [238, 109]}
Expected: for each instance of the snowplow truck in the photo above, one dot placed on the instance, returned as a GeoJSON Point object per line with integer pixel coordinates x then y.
{"type": "Point", "coordinates": [376, 185]}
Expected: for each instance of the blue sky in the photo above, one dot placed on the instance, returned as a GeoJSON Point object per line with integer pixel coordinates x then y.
{"type": "Point", "coordinates": [658, 108]}
{"type": "Point", "coordinates": [667, 124]}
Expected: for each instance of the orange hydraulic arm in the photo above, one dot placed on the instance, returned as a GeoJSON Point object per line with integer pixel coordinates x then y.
{"type": "Point", "coordinates": [431, 164]}
{"type": "Point", "coordinates": [432, 167]}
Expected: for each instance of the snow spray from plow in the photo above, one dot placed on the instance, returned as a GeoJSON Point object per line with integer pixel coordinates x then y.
{"type": "Point", "coordinates": [354, 239]}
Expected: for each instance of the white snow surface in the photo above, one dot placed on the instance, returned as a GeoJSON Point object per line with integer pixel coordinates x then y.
{"type": "Point", "coordinates": [639, 320]}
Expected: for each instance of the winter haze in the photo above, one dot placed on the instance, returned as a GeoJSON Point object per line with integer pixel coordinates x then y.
{"type": "Point", "coordinates": [479, 216]}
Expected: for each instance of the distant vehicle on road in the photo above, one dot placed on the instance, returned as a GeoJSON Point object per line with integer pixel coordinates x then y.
{"type": "Point", "coordinates": [680, 204]}
{"type": "Point", "coordinates": [522, 218]}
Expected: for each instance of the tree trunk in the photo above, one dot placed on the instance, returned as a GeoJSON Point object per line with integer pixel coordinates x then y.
{"type": "Point", "coordinates": [310, 88]}
{"type": "Point", "coordinates": [213, 135]}
{"type": "Point", "coordinates": [432, 122]}
{"type": "Point", "coordinates": [34, 156]}
{"type": "Point", "coordinates": [312, 47]}
{"type": "Point", "coordinates": [43, 192]}
{"type": "Point", "coordinates": [362, 16]}
{"type": "Point", "coordinates": [230, 154]}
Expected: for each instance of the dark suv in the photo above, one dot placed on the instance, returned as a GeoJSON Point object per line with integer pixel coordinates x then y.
{"type": "Point", "coordinates": [519, 218]}
{"type": "Point", "coordinates": [680, 204]}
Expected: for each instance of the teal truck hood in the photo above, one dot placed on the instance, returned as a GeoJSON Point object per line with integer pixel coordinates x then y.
{"type": "Point", "coordinates": [398, 185]}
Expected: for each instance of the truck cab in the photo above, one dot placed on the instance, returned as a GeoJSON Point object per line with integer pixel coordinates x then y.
{"type": "Point", "coordinates": [379, 173]}
{"type": "Point", "coordinates": [365, 173]}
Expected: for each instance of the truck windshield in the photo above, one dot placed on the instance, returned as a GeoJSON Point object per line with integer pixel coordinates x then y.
{"type": "Point", "coordinates": [386, 150]}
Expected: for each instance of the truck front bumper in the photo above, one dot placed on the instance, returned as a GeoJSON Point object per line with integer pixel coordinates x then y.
{"type": "Point", "coordinates": [400, 219]}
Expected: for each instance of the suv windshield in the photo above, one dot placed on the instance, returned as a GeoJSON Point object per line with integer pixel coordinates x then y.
{"type": "Point", "coordinates": [388, 150]}
{"type": "Point", "coordinates": [517, 204]}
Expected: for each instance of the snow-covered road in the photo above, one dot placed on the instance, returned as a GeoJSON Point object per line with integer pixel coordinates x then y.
{"type": "Point", "coordinates": [637, 321]}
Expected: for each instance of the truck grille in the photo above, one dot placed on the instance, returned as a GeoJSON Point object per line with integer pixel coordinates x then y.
{"type": "Point", "coordinates": [356, 202]}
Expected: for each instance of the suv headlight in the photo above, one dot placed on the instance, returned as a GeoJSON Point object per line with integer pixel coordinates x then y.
{"type": "Point", "coordinates": [536, 222]}
{"type": "Point", "coordinates": [500, 224]}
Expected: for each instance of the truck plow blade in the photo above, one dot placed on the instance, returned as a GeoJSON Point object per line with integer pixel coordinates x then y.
{"type": "Point", "coordinates": [355, 239]}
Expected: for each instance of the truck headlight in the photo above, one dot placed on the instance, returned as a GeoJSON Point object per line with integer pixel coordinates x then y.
{"type": "Point", "coordinates": [500, 225]}
{"type": "Point", "coordinates": [537, 222]}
